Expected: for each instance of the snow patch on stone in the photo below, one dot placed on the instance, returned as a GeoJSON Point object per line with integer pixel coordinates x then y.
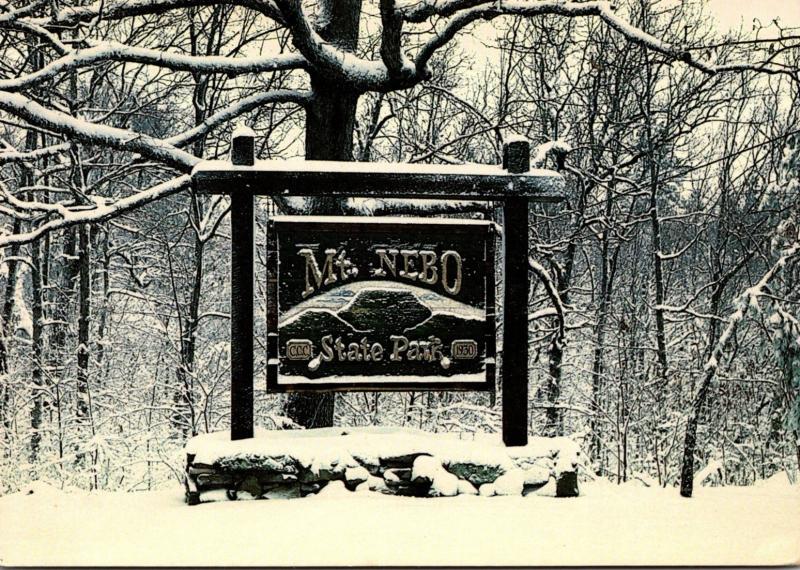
{"type": "Point", "coordinates": [510, 483]}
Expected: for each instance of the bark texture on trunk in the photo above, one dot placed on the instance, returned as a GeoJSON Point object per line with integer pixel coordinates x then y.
{"type": "Point", "coordinates": [37, 378]}
{"type": "Point", "coordinates": [6, 334]}
{"type": "Point", "coordinates": [690, 440]}
{"type": "Point", "coordinates": [84, 306]}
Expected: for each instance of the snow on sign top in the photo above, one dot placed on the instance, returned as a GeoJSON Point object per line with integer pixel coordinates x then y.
{"type": "Point", "coordinates": [380, 179]}
{"type": "Point", "coordinates": [366, 303]}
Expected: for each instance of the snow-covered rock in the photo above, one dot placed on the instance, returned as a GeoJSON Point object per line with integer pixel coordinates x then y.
{"type": "Point", "coordinates": [429, 469]}
{"type": "Point", "coordinates": [376, 484]}
{"type": "Point", "coordinates": [466, 488]}
{"type": "Point", "coordinates": [549, 489]}
{"type": "Point", "coordinates": [510, 483]}
{"type": "Point", "coordinates": [355, 476]}
{"type": "Point", "coordinates": [333, 489]}
{"type": "Point", "coordinates": [476, 472]}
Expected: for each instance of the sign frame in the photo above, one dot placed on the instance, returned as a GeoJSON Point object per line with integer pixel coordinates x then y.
{"type": "Point", "coordinates": [366, 224]}
{"type": "Point", "coordinates": [513, 185]}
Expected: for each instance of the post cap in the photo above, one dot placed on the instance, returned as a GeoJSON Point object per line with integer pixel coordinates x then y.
{"type": "Point", "coordinates": [243, 145]}
{"type": "Point", "coordinates": [517, 155]}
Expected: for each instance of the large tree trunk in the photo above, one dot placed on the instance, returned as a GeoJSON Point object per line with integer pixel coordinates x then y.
{"type": "Point", "coordinates": [185, 417]}
{"type": "Point", "coordinates": [84, 304]}
{"type": "Point", "coordinates": [690, 440]}
{"type": "Point", "coordinates": [330, 120]}
{"type": "Point", "coordinates": [37, 378]}
{"type": "Point", "coordinates": [653, 174]}
{"type": "Point", "coordinates": [6, 333]}
{"type": "Point", "coordinates": [598, 369]}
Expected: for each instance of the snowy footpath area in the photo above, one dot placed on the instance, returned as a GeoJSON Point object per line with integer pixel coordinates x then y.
{"type": "Point", "coordinates": [608, 524]}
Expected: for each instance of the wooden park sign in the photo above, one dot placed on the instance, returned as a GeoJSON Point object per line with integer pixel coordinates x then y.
{"type": "Point", "coordinates": [381, 303]}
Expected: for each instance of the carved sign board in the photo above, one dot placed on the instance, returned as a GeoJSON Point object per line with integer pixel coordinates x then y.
{"type": "Point", "coordinates": [380, 304]}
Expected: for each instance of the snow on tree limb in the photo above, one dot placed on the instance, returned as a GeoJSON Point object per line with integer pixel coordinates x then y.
{"type": "Point", "coordinates": [17, 13]}
{"type": "Point", "coordinates": [749, 299]}
{"type": "Point", "coordinates": [16, 156]}
{"type": "Point", "coordinates": [164, 151]}
{"type": "Point", "coordinates": [114, 51]}
{"type": "Point", "coordinates": [99, 211]}
{"type": "Point", "coordinates": [239, 108]}
{"type": "Point", "coordinates": [391, 39]}
{"type": "Point", "coordinates": [337, 63]}
{"type": "Point", "coordinates": [119, 9]}
{"type": "Point", "coordinates": [679, 53]}
{"type": "Point", "coordinates": [40, 32]}
{"type": "Point", "coordinates": [542, 313]}
{"type": "Point", "coordinates": [112, 137]}
{"type": "Point", "coordinates": [420, 10]}
{"type": "Point", "coordinates": [392, 72]}
{"type": "Point", "coordinates": [552, 292]}
{"type": "Point", "coordinates": [465, 12]}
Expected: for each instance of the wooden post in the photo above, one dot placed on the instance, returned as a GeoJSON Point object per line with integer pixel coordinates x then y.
{"type": "Point", "coordinates": [516, 159]}
{"type": "Point", "coordinates": [242, 154]}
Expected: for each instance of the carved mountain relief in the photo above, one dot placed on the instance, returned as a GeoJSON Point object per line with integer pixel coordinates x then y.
{"type": "Point", "coordinates": [381, 331]}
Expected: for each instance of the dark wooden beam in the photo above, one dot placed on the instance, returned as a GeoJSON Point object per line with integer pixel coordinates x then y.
{"type": "Point", "coordinates": [380, 180]}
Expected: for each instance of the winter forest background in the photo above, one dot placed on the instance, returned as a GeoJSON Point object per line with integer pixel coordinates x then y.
{"type": "Point", "coordinates": [666, 290]}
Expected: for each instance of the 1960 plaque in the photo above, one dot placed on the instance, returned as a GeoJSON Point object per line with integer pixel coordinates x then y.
{"type": "Point", "coordinates": [380, 304]}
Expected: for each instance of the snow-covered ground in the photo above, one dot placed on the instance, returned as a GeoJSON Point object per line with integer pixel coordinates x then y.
{"type": "Point", "coordinates": [607, 525]}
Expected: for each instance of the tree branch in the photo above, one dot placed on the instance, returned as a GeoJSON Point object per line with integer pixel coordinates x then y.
{"type": "Point", "coordinates": [391, 53]}
{"type": "Point", "coordinates": [113, 51]}
{"type": "Point", "coordinates": [118, 9]}
{"type": "Point", "coordinates": [15, 156]}
{"type": "Point", "coordinates": [91, 133]}
{"type": "Point", "coordinates": [239, 108]}
{"type": "Point", "coordinates": [99, 211]}
{"type": "Point", "coordinates": [337, 64]}
{"type": "Point", "coordinates": [473, 11]}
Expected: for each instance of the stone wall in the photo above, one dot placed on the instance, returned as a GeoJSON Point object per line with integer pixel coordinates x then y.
{"type": "Point", "coordinates": [281, 464]}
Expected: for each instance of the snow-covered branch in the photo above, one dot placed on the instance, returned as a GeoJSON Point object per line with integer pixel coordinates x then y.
{"type": "Point", "coordinates": [391, 39]}
{"type": "Point", "coordinates": [339, 64]}
{"type": "Point", "coordinates": [465, 12]}
{"type": "Point", "coordinates": [236, 109]}
{"type": "Point", "coordinates": [543, 313]}
{"type": "Point", "coordinates": [99, 211]}
{"type": "Point", "coordinates": [111, 137]}
{"type": "Point", "coordinates": [749, 299]}
{"type": "Point", "coordinates": [119, 9]}
{"type": "Point", "coordinates": [552, 292]}
{"type": "Point", "coordinates": [21, 12]}
{"type": "Point", "coordinates": [17, 156]}
{"type": "Point", "coordinates": [114, 51]}
{"type": "Point", "coordinates": [41, 32]}
{"type": "Point", "coordinates": [680, 53]}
